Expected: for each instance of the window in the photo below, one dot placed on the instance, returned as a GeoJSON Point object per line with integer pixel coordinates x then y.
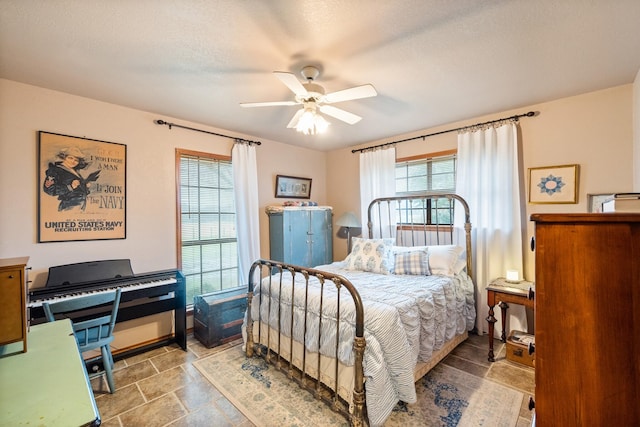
{"type": "Point", "coordinates": [435, 173]}
{"type": "Point", "coordinates": [207, 239]}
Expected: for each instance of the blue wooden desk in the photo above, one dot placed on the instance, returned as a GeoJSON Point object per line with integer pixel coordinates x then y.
{"type": "Point", "coordinates": [48, 385]}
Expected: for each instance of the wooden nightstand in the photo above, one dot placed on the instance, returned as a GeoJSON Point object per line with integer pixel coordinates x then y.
{"type": "Point", "coordinates": [521, 292]}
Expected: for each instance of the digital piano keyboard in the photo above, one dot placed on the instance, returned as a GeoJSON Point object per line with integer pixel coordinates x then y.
{"type": "Point", "coordinates": [142, 294]}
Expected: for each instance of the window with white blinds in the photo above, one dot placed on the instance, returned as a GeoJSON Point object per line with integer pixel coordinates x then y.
{"type": "Point", "coordinates": [207, 233]}
{"type": "Point", "coordinates": [435, 174]}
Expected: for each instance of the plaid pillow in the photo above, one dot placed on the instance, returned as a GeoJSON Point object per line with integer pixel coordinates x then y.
{"type": "Point", "coordinates": [413, 262]}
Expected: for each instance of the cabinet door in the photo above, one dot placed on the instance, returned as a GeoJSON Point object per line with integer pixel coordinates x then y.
{"type": "Point", "coordinates": [297, 237]}
{"type": "Point", "coordinates": [276, 237]}
{"type": "Point", "coordinates": [321, 246]}
{"type": "Point", "coordinates": [12, 313]}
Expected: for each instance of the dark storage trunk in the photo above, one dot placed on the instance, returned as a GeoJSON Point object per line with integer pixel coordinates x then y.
{"type": "Point", "coordinates": [218, 316]}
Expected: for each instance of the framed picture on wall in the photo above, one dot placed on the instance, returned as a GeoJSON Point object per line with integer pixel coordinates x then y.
{"type": "Point", "coordinates": [554, 184]}
{"type": "Point", "coordinates": [292, 187]}
{"type": "Point", "coordinates": [81, 188]}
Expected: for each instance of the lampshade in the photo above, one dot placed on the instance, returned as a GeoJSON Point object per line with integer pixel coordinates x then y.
{"type": "Point", "coordinates": [348, 219]}
{"type": "Point", "coordinates": [311, 123]}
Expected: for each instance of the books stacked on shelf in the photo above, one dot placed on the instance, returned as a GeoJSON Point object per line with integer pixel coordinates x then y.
{"type": "Point", "coordinates": [622, 202]}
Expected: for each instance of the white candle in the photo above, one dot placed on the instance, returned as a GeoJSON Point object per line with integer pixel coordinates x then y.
{"type": "Point", "coordinates": [512, 275]}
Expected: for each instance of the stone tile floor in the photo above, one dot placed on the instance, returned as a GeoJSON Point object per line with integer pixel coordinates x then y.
{"type": "Point", "coordinates": [162, 388]}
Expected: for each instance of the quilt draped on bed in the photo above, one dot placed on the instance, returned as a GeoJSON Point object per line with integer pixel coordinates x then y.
{"type": "Point", "coordinates": [407, 318]}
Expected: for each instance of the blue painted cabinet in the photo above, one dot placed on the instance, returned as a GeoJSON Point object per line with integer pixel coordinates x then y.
{"type": "Point", "coordinates": [301, 235]}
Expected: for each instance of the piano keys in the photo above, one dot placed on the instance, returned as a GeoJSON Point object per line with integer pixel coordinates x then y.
{"type": "Point", "coordinates": [142, 294]}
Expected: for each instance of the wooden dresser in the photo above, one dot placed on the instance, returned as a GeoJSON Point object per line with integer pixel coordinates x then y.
{"type": "Point", "coordinates": [13, 300]}
{"type": "Point", "coordinates": [587, 317]}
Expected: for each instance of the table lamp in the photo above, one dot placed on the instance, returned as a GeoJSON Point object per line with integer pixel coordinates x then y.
{"type": "Point", "coordinates": [348, 220]}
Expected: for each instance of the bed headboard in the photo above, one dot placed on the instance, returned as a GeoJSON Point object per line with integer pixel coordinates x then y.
{"type": "Point", "coordinates": [404, 217]}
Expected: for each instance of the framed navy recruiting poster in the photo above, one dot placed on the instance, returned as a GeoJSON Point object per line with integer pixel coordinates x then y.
{"type": "Point", "coordinates": [81, 189]}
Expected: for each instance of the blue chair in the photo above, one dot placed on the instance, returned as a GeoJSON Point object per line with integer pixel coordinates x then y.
{"type": "Point", "coordinates": [94, 333]}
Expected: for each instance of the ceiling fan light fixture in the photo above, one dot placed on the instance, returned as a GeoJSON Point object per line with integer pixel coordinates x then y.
{"type": "Point", "coordinates": [320, 124]}
{"type": "Point", "coordinates": [313, 97]}
{"type": "Point", "coordinates": [311, 123]}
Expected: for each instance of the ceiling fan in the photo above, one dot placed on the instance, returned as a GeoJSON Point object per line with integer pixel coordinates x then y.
{"type": "Point", "coordinates": [313, 98]}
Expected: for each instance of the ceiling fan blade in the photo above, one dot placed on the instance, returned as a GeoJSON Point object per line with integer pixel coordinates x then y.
{"type": "Point", "coordinates": [296, 117]}
{"type": "Point", "coordinates": [358, 92]}
{"type": "Point", "coordinates": [266, 104]}
{"type": "Point", "coordinates": [339, 114]}
{"type": "Point", "coordinates": [292, 82]}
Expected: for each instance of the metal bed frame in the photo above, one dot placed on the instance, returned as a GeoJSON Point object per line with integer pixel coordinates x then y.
{"type": "Point", "coordinates": [412, 206]}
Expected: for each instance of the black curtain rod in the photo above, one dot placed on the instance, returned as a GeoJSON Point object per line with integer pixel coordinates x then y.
{"type": "Point", "coordinates": [162, 122]}
{"type": "Point", "coordinates": [516, 117]}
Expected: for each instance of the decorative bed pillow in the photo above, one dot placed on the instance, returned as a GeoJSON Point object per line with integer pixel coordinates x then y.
{"type": "Point", "coordinates": [444, 259]}
{"type": "Point", "coordinates": [461, 264]}
{"type": "Point", "coordinates": [414, 262]}
{"type": "Point", "coordinates": [398, 249]}
{"type": "Point", "coordinates": [373, 255]}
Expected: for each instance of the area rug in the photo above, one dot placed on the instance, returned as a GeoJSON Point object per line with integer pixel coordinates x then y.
{"type": "Point", "coordinates": [446, 396]}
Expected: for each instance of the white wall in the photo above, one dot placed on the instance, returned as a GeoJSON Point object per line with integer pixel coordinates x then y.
{"type": "Point", "coordinates": [593, 130]}
{"type": "Point", "coordinates": [151, 201]}
{"type": "Point", "coordinates": [151, 198]}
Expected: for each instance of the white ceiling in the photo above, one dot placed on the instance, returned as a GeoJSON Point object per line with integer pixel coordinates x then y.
{"type": "Point", "coordinates": [432, 62]}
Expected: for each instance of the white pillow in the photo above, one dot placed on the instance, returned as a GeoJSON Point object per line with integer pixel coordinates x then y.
{"type": "Point", "coordinates": [414, 262]}
{"type": "Point", "coordinates": [444, 259]}
{"type": "Point", "coordinates": [461, 263]}
{"type": "Point", "coordinates": [373, 255]}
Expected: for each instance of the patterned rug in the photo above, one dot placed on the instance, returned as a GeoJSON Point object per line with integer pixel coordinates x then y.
{"type": "Point", "coordinates": [446, 396]}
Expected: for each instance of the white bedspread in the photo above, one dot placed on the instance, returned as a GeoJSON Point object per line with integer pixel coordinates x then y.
{"type": "Point", "coordinates": [406, 319]}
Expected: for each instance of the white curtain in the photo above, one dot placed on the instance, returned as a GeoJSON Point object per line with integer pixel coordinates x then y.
{"type": "Point", "coordinates": [377, 179]}
{"type": "Point", "coordinates": [488, 179]}
{"type": "Point", "coordinates": [245, 185]}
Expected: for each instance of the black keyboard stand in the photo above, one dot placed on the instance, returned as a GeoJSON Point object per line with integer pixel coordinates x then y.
{"type": "Point", "coordinates": [135, 304]}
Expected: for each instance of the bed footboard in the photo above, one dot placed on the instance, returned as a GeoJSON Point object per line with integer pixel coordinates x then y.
{"type": "Point", "coordinates": [277, 346]}
{"type": "Point", "coordinates": [297, 321]}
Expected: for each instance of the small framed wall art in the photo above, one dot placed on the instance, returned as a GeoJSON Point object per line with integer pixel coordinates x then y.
{"type": "Point", "coordinates": [292, 187]}
{"type": "Point", "coordinates": [554, 184]}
